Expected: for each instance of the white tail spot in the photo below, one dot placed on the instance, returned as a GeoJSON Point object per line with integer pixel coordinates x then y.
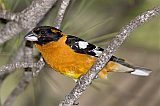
{"type": "Point", "coordinates": [141, 72]}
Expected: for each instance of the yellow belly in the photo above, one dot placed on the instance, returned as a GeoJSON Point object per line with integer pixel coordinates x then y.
{"type": "Point", "coordinates": [64, 60]}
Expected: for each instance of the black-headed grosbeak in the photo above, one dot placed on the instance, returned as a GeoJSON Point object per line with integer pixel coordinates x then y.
{"type": "Point", "coordinates": [73, 56]}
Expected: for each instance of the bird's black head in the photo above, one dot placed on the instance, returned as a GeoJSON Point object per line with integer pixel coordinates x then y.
{"type": "Point", "coordinates": [43, 34]}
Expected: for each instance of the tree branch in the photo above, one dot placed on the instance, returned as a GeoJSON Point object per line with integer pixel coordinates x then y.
{"type": "Point", "coordinates": [9, 15]}
{"type": "Point", "coordinates": [28, 52]}
{"type": "Point", "coordinates": [61, 13]}
{"type": "Point", "coordinates": [35, 12]}
{"type": "Point", "coordinates": [85, 80]}
{"type": "Point", "coordinates": [7, 32]}
{"type": "Point", "coordinates": [10, 67]}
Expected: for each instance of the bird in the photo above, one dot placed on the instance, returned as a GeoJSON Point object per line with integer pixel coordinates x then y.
{"type": "Point", "coordinates": [73, 56]}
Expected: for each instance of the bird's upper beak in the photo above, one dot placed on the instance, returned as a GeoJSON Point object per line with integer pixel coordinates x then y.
{"type": "Point", "coordinates": [31, 36]}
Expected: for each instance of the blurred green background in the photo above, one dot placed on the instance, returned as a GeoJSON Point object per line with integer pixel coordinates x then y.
{"type": "Point", "coordinates": [96, 21]}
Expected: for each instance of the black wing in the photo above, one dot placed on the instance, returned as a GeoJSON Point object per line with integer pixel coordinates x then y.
{"type": "Point", "coordinates": [81, 46]}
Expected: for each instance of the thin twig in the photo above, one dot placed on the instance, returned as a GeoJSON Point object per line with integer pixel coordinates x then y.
{"type": "Point", "coordinates": [38, 69]}
{"type": "Point", "coordinates": [61, 13]}
{"type": "Point", "coordinates": [28, 52]}
{"type": "Point", "coordinates": [85, 80]}
{"type": "Point", "coordinates": [10, 67]}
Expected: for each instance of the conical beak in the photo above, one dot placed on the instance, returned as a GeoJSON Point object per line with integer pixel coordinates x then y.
{"type": "Point", "coordinates": [31, 37]}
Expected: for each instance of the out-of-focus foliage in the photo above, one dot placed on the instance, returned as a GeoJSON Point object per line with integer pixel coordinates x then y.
{"type": "Point", "coordinates": [96, 21]}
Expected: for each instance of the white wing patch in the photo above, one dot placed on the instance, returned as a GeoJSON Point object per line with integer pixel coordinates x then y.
{"type": "Point", "coordinates": [82, 44]}
{"type": "Point", "coordinates": [97, 52]}
{"type": "Point", "coordinates": [83, 47]}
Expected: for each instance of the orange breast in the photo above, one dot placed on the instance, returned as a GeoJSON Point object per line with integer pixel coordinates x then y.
{"type": "Point", "coordinates": [64, 60]}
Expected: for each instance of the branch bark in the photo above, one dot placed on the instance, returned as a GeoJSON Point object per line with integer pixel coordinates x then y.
{"type": "Point", "coordinates": [61, 13]}
{"type": "Point", "coordinates": [85, 80]}
{"type": "Point", "coordinates": [11, 67]}
{"type": "Point", "coordinates": [9, 15]}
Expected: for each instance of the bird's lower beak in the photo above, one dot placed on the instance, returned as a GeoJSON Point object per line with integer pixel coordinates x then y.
{"type": "Point", "coordinates": [31, 37]}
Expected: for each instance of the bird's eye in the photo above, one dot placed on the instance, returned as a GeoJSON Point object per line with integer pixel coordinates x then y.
{"type": "Point", "coordinates": [42, 32]}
